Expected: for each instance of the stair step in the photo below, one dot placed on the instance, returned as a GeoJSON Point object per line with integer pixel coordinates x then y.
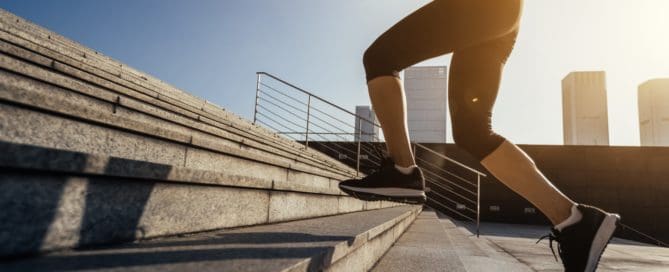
{"type": "Point", "coordinates": [620, 255]}
{"type": "Point", "coordinates": [55, 75]}
{"type": "Point", "coordinates": [350, 242]}
{"type": "Point", "coordinates": [95, 152]}
{"type": "Point", "coordinates": [435, 243]}
{"type": "Point", "coordinates": [54, 199]}
{"type": "Point", "coordinates": [423, 247]}
{"type": "Point", "coordinates": [479, 254]}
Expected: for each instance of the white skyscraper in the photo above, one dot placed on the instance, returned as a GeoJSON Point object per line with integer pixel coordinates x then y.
{"type": "Point", "coordinates": [368, 132]}
{"type": "Point", "coordinates": [584, 109]}
{"type": "Point", "coordinates": [654, 112]}
{"type": "Point", "coordinates": [426, 103]}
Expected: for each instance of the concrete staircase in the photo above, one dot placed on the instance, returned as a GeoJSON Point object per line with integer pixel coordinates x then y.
{"type": "Point", "coordinates": [349, 242]}
{"type": "Point", "coordinates": [438, 244]}
{"type": "Point", "coordinates": [94, 153]}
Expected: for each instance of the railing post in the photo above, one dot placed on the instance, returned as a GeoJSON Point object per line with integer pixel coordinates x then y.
{"type": "Point", "coordinates": [357, 167]}
{"type": "Point", "coordinates": [478, 204]}
{"type": "Point", "coordinates": [306, 135]}
{"type": "Point", "coordinates": [255, 107]}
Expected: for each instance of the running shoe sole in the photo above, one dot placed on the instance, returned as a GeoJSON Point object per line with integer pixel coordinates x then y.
{"type": "Point", "coordinates": [601, 240]}
{"type": "Point", "coordinates": [401, 195]}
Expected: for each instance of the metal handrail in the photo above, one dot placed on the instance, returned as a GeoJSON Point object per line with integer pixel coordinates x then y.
{"type": "Point", "coordinates": [450, 160]}
{"type": "Point", "coordinates": [308, 93]}
{"type": "Point", "coordinates": [436, 178]}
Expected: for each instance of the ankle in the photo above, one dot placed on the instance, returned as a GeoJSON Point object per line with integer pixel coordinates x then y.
{"type": "Point", "coordinates": [405, 170]}
{"type": "Point", "coordinates": [573, 218]}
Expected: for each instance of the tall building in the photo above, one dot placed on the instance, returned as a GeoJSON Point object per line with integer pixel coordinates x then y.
{"type": "Point", "coordinates": [584, 109]}
{"type": "Point", "coordinates": [654, 112]}
{"type": "Point", "coordinates": [426, 103]}
{"type": "Point", "coordinates": [366, 131]}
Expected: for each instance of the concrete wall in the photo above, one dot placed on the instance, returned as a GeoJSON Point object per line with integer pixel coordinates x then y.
{"type": "Point", "coordinates": [631, 181]}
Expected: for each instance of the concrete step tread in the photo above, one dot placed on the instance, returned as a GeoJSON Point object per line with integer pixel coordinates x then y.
{"type": "Point", "coordinates": [479, 254]}
{"type": "Point", "coordinates": [92, 104]}
{"type": "Point", "coordinates": [37, 158]}
{"type": "Point", "coordinates": [620, 255]}
{"type": "Point", "coordinates": [305, 245]}
{"type": "Point", "coordinates": [46, 98]}
{"type": "Point", "coordinates": [18, 26]}
{"type": "Point", "coordinates": [423, 247]}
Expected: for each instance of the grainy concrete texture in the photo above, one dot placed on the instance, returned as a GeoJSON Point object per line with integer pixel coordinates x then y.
{"type": "Point", "coordinates": [429, 245]}
{"type": "Point", "coordinates": [335, 243]}
{"type": "Point", "coordinates": [519, 241]}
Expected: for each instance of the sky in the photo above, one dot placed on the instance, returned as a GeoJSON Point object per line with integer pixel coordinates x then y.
{"type": "Point", "coordinates": [213, 49]}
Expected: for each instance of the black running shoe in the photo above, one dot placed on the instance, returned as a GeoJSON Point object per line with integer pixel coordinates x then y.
{"type": "Point", "coordinates": [387, 183]}
{"type": "Point", "coordinates": [581, 244]}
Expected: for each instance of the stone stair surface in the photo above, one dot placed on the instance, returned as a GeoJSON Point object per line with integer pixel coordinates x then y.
{"type": "Point", "coordinates": [94, 152]}
{"type": "Point", "coordinates": [437, 244]}
{"type": "Point", "coordinates": [349, 242]}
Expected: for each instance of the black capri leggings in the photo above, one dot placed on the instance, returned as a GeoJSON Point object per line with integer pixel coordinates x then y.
{"type": "Point", "coordinates": [481, 35]}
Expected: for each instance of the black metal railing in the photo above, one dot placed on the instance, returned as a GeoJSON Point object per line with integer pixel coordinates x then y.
{"type": "Point", "coordinates": [317, 123]}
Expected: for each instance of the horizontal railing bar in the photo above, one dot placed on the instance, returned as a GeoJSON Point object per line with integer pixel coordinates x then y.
{"type": "Point", "coordinates": [370, 153]}
{"type": "Point", "coordinates": [452, 210]}
{"type": "Point", "coordinates": [449, 190]}
{"type": "Point", "coordinates": [320, 127]}
{"type": "Point", "coordinates": [361, 118]}
{"type": "Point", "coordinates": [449, 181]}
{"type": "Point", "coordinates": [470, 199]}
{"type": "Point", "coordinates": [338, 151]}
{"type": "Point", "coordinates": [331, 132]}
{"type": "Point", "coordinates": [281, 93]}
{"type": "Point", "coordinates": [345, 123]}
{"type": "Point", "coordinates": [325, 143]}
{"type": "Point", "coordinates": [454, 202]}
{"type": "Point", "coordinates": [306, 92]}
{"type": "Point", "coordinates": [446, 171]}
{"type": "Point", "coordinates": [451, 160]}
{"type": "Point", "coordinates": [274, 121]}
{"type": "Point", "coordinates": [282, 118]}
{"type": "Point", "coordinates": [326, 133]}
{"type": "Point", "coordinates": [657, 241]}
{"type": "Point", "coordinates": [326, 122]}
{"type": "Point", "coordinates": [279, 107]}
{"type": "Point", "coordinates": [279, 100]}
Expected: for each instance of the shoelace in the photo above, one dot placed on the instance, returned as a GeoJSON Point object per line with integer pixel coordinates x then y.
{"type": "Point", "coordinates": [552, 238]}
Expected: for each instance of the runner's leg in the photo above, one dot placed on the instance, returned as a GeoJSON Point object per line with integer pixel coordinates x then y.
{"type": "Point", "coordinates": [437, 28]}
{"type": "Point", "coordinates": [473, 84]}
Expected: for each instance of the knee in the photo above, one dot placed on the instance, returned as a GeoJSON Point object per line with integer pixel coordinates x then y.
{"type": "Point", "coordinates": [479, 140]}
{"type": "Point", "coordinates": [377, 63]}
{"type": "Point", "coordinates": [368, 58]}
{"type": "Point", "coordinates": [464, 137]}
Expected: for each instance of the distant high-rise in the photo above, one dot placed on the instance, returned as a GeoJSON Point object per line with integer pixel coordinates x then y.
{"type": "Point", "coordinates": [368, 132]}
{"type": "Point", "coordinates": [654, 112]}
{"type": "Point", "coordinates": [584, 109]}
{"type": "Point", "coordinates": [426, 103]}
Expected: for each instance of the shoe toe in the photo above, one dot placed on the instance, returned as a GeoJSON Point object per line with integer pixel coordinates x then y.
{"type": "Point", "coordinates": [348, 182]}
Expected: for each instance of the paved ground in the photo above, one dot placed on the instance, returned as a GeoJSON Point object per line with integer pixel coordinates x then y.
{"type": "Point", "coordinates": [620, 255]}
